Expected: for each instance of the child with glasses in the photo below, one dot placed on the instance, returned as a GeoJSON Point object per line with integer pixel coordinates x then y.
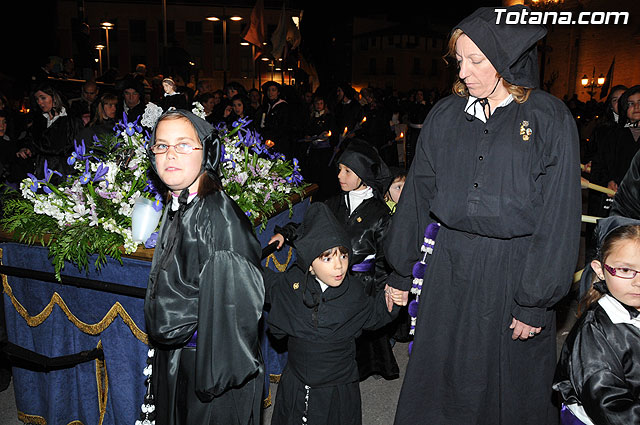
{"type": "Point", "coordinates": [205, 293]}
{"type": "Point", "coordinates": [598, 375]}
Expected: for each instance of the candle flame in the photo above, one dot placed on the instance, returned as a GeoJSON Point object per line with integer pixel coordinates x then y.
{"type": "Point", "coordinates": [363, 120]}
{"type": "Point", "coordinates": [329, 133]}
{"type": "Point", "coordinates": [269, 143]}
{"type": "Point", "coordinates": [401, 134]}
{"type": "Point", "coordinates": [345, 130]}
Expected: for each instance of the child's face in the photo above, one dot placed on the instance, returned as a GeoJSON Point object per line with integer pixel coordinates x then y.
{"type": "Point", "coordinates": [331, 269]}
{"type": "Point", "coordinates": [178, 171]}
{"type": "Point", "coordinates": [396, 189]}
{"type": "Point", "coordinates": [347, 178]}
{"type": "Point", "coordinates": [625, 255]}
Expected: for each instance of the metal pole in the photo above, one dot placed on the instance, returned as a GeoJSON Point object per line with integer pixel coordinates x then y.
{"type": "Point", "coordinates": [108, 51]}
{"type": "Point", "coordinates": [164, 35]}
{"type": "Point", "coordinates": [100, 60]}
{"type": "Point", "coordinates": [224, 51]}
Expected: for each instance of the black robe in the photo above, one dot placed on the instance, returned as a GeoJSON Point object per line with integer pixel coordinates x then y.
{"type": "Point", "coordinates": [626, 201]}
{"type": "Point", "coordinates": [321, 344]}
{"type": "Point", "coordinates": [599, 365]}
{"type": "Point", "coordinates": [209, 281]}
{"type": "Point", "coordinates": [510, 209]}
{"type": "Point", "coordinates": [366, 228]}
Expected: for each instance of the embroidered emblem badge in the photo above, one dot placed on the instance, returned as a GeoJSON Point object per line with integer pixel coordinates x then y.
{"type": "Point", "coordinates": [359, 219]}
{"type": "Point", "coordinates": [296, 285]}
{"type": "Point", "coordinates": [525, 131]}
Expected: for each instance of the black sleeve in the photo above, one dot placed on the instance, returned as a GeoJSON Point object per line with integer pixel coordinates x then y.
{"type": "Point", "coordinates": [626, 201]}
{"type": "Point", "coordinates": [379, 315]}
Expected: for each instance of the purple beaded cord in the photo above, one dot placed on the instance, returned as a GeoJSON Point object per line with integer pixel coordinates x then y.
{"type": "Point", "coordinates": [419, 268]}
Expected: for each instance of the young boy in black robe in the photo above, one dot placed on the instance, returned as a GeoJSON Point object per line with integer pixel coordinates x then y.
{"type": "Point", "coordinates": [322, 309]}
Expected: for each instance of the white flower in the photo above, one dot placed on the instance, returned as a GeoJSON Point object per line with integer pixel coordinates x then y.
{"type": "Point", "coordinates": [198, 110]}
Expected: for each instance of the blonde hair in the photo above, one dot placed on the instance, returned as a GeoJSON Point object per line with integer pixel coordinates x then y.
{"type": "Point", "coordinates": [520, 94]}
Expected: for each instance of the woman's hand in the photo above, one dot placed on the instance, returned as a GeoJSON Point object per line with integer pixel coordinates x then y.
{"type": "Point", "coordinates": [277, 238]}
{"type": "Point", "coordinates": [395, 296]}
{"type": "Point", "coordinates": [23, 153]}
{"type": "Point", "coordinates": [613, 186]}
{"type": "Point", "coordinates": [522, 330]}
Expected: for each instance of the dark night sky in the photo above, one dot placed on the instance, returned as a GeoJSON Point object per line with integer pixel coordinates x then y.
{"type": "Point", "coordinates": [24, 45]}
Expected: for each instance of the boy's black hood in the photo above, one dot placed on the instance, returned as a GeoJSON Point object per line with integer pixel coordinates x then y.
{"type": "Point", "coordinates": [319, 231]}
{"type": "Point", "coordinates": [511, 48]}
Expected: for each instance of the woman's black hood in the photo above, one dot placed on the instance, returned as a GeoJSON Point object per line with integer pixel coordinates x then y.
{"type": "Point", "coordinates": [319, 232]}
{"type": "Point", "coordinates": [208, 137]}
{"type": "Point", "coordinates": [511, 48]}
{"type": "Point", "coordinates": [365, 161]}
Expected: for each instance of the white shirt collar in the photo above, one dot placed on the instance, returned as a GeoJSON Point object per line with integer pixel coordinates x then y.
{"type": "Point", "coordinates": [63, 113]}
{"type": "Point", "coordinates": [356, 197]}
{"type": "Point", "coordinates": [323, 285]}
{"type": "Point", "coordinates": [616, 311]}
{"type": "Point", "coordinates": [174, 201]}
{"type": "Point", "coordinates": [476, 109]}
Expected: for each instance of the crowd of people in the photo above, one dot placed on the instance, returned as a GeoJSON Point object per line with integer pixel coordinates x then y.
{"type": "Point", "coordinates": [483, 206]}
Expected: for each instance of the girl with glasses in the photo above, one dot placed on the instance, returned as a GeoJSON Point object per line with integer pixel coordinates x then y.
{"type": "Point", "coordinates": [598, 375]}
{"type": "Point", "coordinates": [205, 293]}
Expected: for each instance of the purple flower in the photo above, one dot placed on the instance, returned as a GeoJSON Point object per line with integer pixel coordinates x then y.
{"type": "Point", "coordinates": [78, 153]}
{"type": "Point", "coordinates": [34, 183]}
{"type": "Point", "coordinates": [151, 242]}
{"type": "Point", "coordinates": [100, 173]}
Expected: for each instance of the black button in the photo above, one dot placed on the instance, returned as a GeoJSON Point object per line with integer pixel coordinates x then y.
{"type": "Point", "coordinates": [481, 157]}
{"type": "Point", "coordinates": [475, 185]}
{"type": "Point", "coordinates": [486, 131]}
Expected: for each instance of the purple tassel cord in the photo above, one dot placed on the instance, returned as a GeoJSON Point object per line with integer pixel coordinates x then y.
{"type": "Point", "coordinates": [419, 269]}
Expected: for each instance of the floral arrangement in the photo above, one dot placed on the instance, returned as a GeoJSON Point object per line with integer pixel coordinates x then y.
{"type": "Point", "coordinates": [89, 212]}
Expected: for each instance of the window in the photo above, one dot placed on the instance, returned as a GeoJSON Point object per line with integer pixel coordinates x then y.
{"type": "Point", "coordinates": [373, 42]}
{"type": "Point", "coordinates": [434, 43]}
{"type": "Point", "coordinates": [372, 66]}
{"type": "Point", "coordinates": [434, 67]}
{"type": "Point", "coordinates": [137, 31]}
{"type": "Point", "coordinates": [194, 29]}
{"type": "Point", "coordinates": [416, 66]}
{"type": "Point", "coordinates": [364, 43]}
{"type": "Point", "coordinates": [171, 32]}
{"type": "Point", "coordinates": [390, 67]}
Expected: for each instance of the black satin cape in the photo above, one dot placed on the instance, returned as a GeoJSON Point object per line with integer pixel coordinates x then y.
{"type": "Point", "coordinates": [210, 282]}
{"type": "Point", "coordinates": [599, 367]}
{"type": "Point", "coordinates": [626, 201]}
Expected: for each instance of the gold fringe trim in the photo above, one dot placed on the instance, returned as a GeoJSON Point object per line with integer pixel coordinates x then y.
{"type": "Point", "coordinates": [267, 401]}
{"type": "Point", "coordinates": [91, 329]}
{"type": "Point", "coordinates": [102, 384]}
{"type": "Point", "coordinates": [31, 419]}
{"type": "Point", "coordinates": [39, 420]}
{"type": "Point", "coordinates": [280, 266]}
{"type": "Point", "coordinates": [274, 379]}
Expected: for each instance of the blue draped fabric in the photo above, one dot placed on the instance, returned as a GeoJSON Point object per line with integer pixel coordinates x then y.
{"type": "Point", "coordinates": [73, 394]}
{"type": "Point", "coordinates": [63, 396]}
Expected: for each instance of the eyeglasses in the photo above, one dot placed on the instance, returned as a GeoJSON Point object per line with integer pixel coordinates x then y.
{"type": "Point", "coordinates": [181, 148]}
{"type": "Point", "coordinates": [621, 272]}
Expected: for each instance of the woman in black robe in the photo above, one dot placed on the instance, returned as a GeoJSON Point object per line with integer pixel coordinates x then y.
{"type": "Point", "coordinates": [497, 165]}
{"type": "Point", "coordinates": [205, 293]}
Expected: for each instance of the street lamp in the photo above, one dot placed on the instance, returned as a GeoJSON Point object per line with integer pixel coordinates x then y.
{"type": "Point", "coordinates": [592, 84]}
{"type": "Point", "coordinates": [224, 40]}
{"type": "Point", "coordinates": [99, 48]}
{"type": "Point", "coordinates": [106, 26]}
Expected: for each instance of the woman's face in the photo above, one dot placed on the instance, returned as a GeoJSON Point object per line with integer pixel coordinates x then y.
{"type": "Point", "coordinates": [476, 71]}
{"type": "Point", "coordinates": [614, 100]}
{"type": "Point", "coordinates": [110, 109]}
{"type": "Point", "coordinates": [168, 88]}
{"type": "Point", "coordinates": [178, 171]}
{"type": "Point", "coordinates": [625, 254]}
{"type": "Point", "coordinates": [3, 126]}
{"type": "Point", "coordinates": [45, 102]}
{"type": "Point", "coordinates": [231, 92]}
{"type": "Point", "coordinates": [347, 178]}
{"type": "Point", "coordinates": [238, 108]}
{"type": "Point", "coordinates": [633, 108]}
{"type": "Point", "coordinates": [227, 110]}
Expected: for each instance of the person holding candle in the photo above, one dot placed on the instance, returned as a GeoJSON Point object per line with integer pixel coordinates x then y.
{"type": "Point", "coordinates": [497, 166]}
{"type": "Point", "coordinates": [205, 293]}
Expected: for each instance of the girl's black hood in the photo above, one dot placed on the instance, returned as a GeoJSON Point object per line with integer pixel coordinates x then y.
{"type": "Point", "coordinates": [365, 161]}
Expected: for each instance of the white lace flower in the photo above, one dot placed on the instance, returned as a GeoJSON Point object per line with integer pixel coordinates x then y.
{"type": "Point", "coordinates": [151, 114]}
